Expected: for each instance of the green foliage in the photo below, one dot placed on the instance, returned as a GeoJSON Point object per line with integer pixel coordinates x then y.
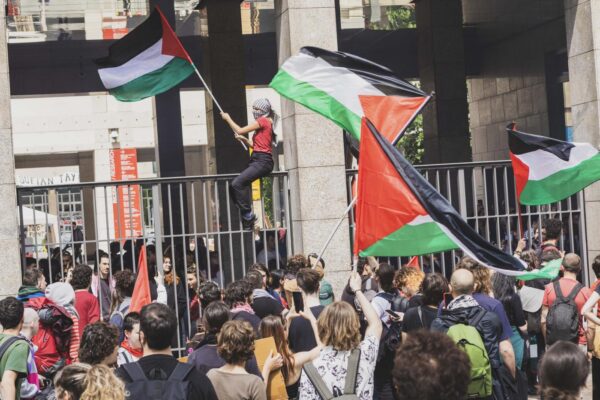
{"type": "Point", "coordinates": [267, 196]}
{"type": "Point", "coordinates": [411, 143]}
{"type": "Point", "coordinates": [401, 18]}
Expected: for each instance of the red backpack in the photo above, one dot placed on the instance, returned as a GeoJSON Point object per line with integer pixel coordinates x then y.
{"type": "Point", "coordinates": [53, 338]}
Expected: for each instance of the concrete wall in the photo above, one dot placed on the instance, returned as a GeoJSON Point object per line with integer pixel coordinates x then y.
{"type": "Point", "coordinates": [511, 87]}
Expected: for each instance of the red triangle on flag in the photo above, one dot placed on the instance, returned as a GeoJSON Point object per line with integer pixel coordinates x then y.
{"type": "Point", "coordinates": [385, 202]}
{"type": "Point", "coordinates": [391, 115]}
{"type": "Point", "coordinates": [414, 263]}
{"type": "Point", "coordinates": [141, 291]}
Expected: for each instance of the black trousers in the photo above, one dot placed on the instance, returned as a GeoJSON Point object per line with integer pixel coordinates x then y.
{"type": "Point", "coordinates": [596, 378]}
{"type": "Point", "coordinates": [260, 165]}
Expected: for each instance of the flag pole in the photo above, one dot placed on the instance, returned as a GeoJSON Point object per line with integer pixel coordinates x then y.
{"type": "Point", "coordinates": [337, 226]}
{"type": "Point", "coordinates": [212, 96]}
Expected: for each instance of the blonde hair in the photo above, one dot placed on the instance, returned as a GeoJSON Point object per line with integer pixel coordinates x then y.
{"type": "Point", "coordinates": [101, 383]}
{"type": "Point", "coordinates": [339, 327]}
{"type": "Point", "coordinates": [409, 280]}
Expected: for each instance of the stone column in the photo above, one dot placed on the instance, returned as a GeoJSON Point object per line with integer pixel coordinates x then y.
{"type": "Point", "coordinates": [313, 146]}
{"type": "Point", "coordinates": [582, 18]}
{"type": "Point", "coordinates": [442, 70]}
{"type": "Point", "coordinates": [9, 231]}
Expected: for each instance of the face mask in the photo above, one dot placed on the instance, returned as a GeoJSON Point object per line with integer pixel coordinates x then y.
{"type": "Point", "coordinates": [257, 114]}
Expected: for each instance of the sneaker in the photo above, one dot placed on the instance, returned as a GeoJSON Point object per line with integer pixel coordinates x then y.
{"type": "Point", "coordinates": [248, 224]}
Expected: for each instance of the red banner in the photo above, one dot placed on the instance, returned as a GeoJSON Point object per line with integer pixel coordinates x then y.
{"type": "Point", "coordinates": [127, 215]}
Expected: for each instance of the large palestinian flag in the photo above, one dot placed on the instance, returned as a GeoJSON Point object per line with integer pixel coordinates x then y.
{"type": "Point", "coordinates": [344, 88]}
{"type": "Point", "coordinates": [549, 170]}
{"type": "Point", "coordinates": [399, 213]}
{"type": "Point", "coordinates": [148, 61]}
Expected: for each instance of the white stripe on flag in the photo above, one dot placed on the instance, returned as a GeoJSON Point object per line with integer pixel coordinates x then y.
{"type": "Point", "coordinates": [147, 61]}
{"type": "Point", "coordinates": [542, 164]}
{"type": "Point", "coordinates": [340, 83]}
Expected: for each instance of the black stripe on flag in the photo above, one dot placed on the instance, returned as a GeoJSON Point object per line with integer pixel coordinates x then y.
{"type": "Point", "coordinates": [441, 211]}
{"type": "Point", "coordinates": [135, 42]}
{"type": "Point", "coordinates": [521, 143]}
{"type": "Point", "coordinates": [377, 75]}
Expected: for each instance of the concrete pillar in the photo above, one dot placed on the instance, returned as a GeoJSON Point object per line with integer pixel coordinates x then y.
{"type": "Point", "coordinates": [9, 231]}
{"type": "Point", "coordinates": [442, 70]}
{"type": "Point", "coordinates": [314, 147]}
{"type": "Point", "coordinates": [86, 174]}
{"type": "Point", "coordinates": [582, 18]}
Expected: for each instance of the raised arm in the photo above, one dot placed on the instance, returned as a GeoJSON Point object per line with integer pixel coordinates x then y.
{"type": "Point", "coordinates": [588, 308]}
{"type": "Point", "coordinates": [238, 129]}
{"type": "Point", "coordinates": [374, 327]}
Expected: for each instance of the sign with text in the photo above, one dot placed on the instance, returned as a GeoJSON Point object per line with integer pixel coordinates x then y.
{"type": "Point", "coordinates": [127, 215]}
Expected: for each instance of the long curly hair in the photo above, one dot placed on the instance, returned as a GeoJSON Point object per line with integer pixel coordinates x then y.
{"type": "Point", "coordinates": [101, 383]}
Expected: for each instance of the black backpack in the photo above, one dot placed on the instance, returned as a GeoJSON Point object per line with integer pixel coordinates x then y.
{"type": "Point", "coordinates": [392, 335]}
{"type": "Point", "coordinates": [562, 322]}
{"type": "Point", "coordinates": [158, 386]}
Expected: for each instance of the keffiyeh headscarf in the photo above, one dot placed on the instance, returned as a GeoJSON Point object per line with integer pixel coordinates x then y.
{"type": "Point", "coordinates": [262, 108]}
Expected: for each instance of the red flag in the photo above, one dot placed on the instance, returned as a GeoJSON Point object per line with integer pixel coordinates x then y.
{"type": "Point", "coordinates": [414, 263]}
{"type": "Point", "coordinates": [141, 291]}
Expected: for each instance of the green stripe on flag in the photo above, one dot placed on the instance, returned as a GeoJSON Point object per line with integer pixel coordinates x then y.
{"type": "Point", "coordinates": [549, 271]}
{"type": "Point", "coordinates": [156, 82]}
{"type": "Point", "coordinates": [316, 100]}
{"type": "Point", "coordinates": [411, 240]}
{"type": "Point", "coordinates": [562, 184]}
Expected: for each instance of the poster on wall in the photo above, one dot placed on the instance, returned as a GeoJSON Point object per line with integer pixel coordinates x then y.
{"type": "Point", "coordinates": [127, 217]}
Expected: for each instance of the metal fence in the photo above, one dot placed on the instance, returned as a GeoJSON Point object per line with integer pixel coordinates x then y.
{"type": "Point", "coordinates": [484, 195]}
{"type": "Point", "coordinates": [191, 221]}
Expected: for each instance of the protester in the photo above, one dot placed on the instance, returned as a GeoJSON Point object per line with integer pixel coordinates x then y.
{"type": "Point", "coordinates": [263, 303]}
{"type": "Point", "coordinates": [482, 290]}
{"type": "Point", "coordinates": [99, 344]}
{"type": "Point", "coordinates": [563, 372]}
{"type": "Point", "coordinates": [236, 346]}
{"type": "Point", "coordinates": [30, 386]}
{"type": "Point", "coordinates": [121, 299]}
{"type": "Point", "coordinates": [102, 285]}
{"type": "Point", "coordinates": [34, 285]}
{"type": "Point", "coordinates": [563, 303]}
{"type": "Point", "coordinates": [551, 230]}
{"type": "Point", "coordinates": [408, 281]}
{"type": "Point", "coordinates": [369, 285]}
{"type": "Point", "coordinates": [261, 161]}
{"type": "Point", "coordinates": [130, 349]}
{"type": "Point", "coordinates": [464, 311]}
{"type": "Point", "coordinates": [504, 289]}
{"type": "Point", "coordinates": [300, 333]}
{"type": "Point", "coordinates": [85, 303]}
{"type": "Point", "coordinates": [206, 357]}
{"type": "Point", "coordinates": [429, 366]}
{"type": "Point", "coordinates": [208, 293]}
{"type": "Point", "coordinates": [237, 297]}
{"type": "Point", "coordinates": [272, 326]}
{"type": "Point", "coordinates": [339, 331]}
{"type": "Point", "coordinates": [158, 326]}
{"type": "Point", "coordinates": [193, 308]}
{"type": "Point", "coordinates": [268, 254]}
{"type": "Point", "coordinates": [62, 294]}
{"type": "Point", "coordinates": [276, 286]}
{"type": "Point", "coordinates": [433, 288]}
{"type": "Point", "coordinates": [326, 295]}
{"type": "Point", "coordinates": [175, 288]}
{"type": "Point", "coordinates": [14, 350]}
{"type": "Point", "coordinates": [85, 382]}
{"type": "Point", "coordinates": [387, 300]}
{"type": "Point", "coordinates": [293, 294]}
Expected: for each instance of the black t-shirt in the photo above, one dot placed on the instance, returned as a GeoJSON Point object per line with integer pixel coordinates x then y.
{"type": "Point", "coordinates": [412, 322]}
{"type": "Point", "coordinates": [201, 388]}
{"type": "Point", "coordinates": [301, 336]}
{"type": "Point", "coordinates": [246, 316]}
{"type": "Point", "coordinates": [264, 306]}
{"type": "Point", "coordinates": [206, 358]}
{"type": "Point", "coordinates": [415, 301]}
{"type": "Point", "coordinates": [516, 316]}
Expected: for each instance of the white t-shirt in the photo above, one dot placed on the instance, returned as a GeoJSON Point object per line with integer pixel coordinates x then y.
{"type": "Point", "coordinates": [332, 365]}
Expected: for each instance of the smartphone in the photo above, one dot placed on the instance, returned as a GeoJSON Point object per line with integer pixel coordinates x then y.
{"type": "Point", "coordinates": [395, 315]}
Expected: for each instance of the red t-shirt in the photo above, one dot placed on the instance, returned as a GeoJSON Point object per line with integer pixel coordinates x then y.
{"type": "Point", "coordinates": [263, 136]}
{"type": "Point", "coordinates": [566, 286]}
{"type": "Point", "coordinates": [87, 307]}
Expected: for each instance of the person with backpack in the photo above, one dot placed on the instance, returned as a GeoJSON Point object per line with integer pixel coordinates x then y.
{"type": "Point", "coordinates": [433, 288]}
{"type": "Point", "coordinates": [475, 330]}
{"type": "Point", "coordinates": [62, 294]}
{"type": "Point", "coordinates": [387, 300]}
{"type": "Point", "coordinates": [14, 350]}
{"type": "Point", "coordinates": [562, 305]}
{"type": "Point", "coordinates": [158, 375]}
{"type": "Point", "coordinates": [346, 364]}
{"type": "Point", "coordinates": [34, 285]}
{"type": "Point", "coordinates": [121, 299]}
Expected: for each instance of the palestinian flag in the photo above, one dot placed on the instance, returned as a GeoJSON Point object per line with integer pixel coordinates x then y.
{"type": "Point", "coordinates": [548, 271]}
{"type": "Point", "coordinates": [148, 61]}
{"type": "Point", "coordinates": [549, 170]}
{"type": "Point", "coordinates": [344, 88]}
{"type": "Point", "coordinates": [399, 213]}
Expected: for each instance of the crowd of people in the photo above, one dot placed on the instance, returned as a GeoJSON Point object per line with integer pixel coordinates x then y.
{"type": "Point", "coordinates": [395, 333]}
